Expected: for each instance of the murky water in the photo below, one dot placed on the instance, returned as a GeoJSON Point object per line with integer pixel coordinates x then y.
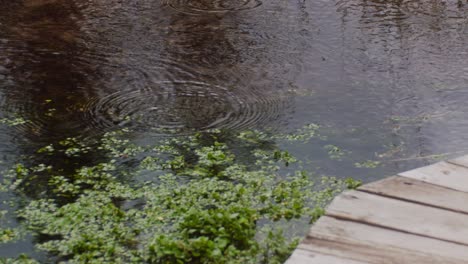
{"type": "Point", "coordinates": [386, 80]}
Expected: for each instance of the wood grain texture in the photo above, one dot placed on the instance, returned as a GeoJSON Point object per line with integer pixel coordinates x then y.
{"type": "Point", "coordinates": [419, 216]}
{"type": "Point", "coordinates": [301, 256]}
{"type": "Point", "coordinates": [414, 248]}
{"type": "Point", "coordinates": [419, 192]}
{"type": "Point", "coordinates": [443, 174]}
{"type": "Point", "coordinates": [399, 215]}
{"type": "Point", "coordinates": [461, 161]}
{"type": "Point", "coordinates": [369, 253]}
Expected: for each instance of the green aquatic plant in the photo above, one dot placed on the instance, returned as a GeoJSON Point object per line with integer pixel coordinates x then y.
{"type": "Point", "coordinates": [190, 199]}
{"type": "Point", "coordinates": [7, 234]}
{"type": "Point", "coordinates": [22, 259]}
{"type": "Point", "coordinates": [335, 153]}
{"type": "Point", "coordinates": [303, 134]}
{"type": "Point", "coordinates": [369, 164]}
{"type": "Point", "coordinates": [13, 121]}
{"type": "Point", "coordinates": [352, 184]}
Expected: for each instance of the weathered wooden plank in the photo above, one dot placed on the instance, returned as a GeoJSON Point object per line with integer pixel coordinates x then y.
{"type": "Point", "coordinates": [406, 248]}
{"type": "Point", "coordinates": [420, 216]}
{"type": "Point", "coordinates": [401, 215]}
{"type": "Point", "coordinates": [443, 173]}
{"type": "Point", "coordinates": [301, 256]}
{"type": "Point", "coordinates": [462, 161]}
{"type": "Point", "coordinates": [367, 254]}
{"type": "Point", "coordinates": [420, 192]}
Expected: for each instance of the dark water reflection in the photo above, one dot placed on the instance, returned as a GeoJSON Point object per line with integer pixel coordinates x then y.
{"type": "Point", "coordinates": [387, 80]}
{"type": "Point", "coordinates": [81, 67]}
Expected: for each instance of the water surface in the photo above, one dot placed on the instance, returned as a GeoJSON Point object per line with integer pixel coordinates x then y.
{"type": "Point", "coordinates": [387, 81]}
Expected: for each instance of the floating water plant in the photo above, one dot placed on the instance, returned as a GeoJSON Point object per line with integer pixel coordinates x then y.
{"type": "Point", "coordinates": [179, 200]}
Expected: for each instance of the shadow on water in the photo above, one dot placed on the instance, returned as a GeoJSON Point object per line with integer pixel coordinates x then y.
{"type": "Point", "coordinates": [39, 45]}
{"type": "Point", "coordinates": [87, 68]}
{"type": "Point", "coordinates": [44, 80]}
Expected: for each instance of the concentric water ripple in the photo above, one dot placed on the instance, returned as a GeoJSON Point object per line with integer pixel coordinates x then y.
{"type": "Point", "coordinates": [211, 6]}
{"type": "Point", "coordinates": [183, 106]}
{"type": "Point", "coordinates": [34, 119]}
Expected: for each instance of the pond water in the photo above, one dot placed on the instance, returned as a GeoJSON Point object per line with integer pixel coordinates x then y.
{"type": "Point", "coordinates": [386, 80]}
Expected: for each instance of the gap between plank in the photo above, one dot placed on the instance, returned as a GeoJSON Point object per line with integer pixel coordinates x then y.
{"type": "Point", "coordinates": [457, 164]}
{"type": "Point", "coordinates": [413, 201]}
{"type": "Point", "coordinates": [428, 182]}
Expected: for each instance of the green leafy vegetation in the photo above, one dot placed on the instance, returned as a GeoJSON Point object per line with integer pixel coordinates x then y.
{"type": "Point", "coordinates": [22, 259]}
{"type": "Point", "coordinates": [335, 153]}
{"type": "Point", "coordinates": [7, 234]}
{"type": "Point", "coordinates": [13, 121]}
{"type": "Point", "coordinates": [304, 134]}
{"type": "Point", "coordinates": [369, 164]}
{"type": "Point", "coordinates": [190, 199]}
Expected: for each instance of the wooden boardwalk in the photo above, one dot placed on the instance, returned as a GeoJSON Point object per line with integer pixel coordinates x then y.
{"type": "Point", "coordinates": [419, 216]}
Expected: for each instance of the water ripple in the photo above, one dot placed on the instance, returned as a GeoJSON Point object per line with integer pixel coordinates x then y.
{"type": "Point", "coordinates": [211, 6]}
{"type": "Point", "coordinates": [183, 106]}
